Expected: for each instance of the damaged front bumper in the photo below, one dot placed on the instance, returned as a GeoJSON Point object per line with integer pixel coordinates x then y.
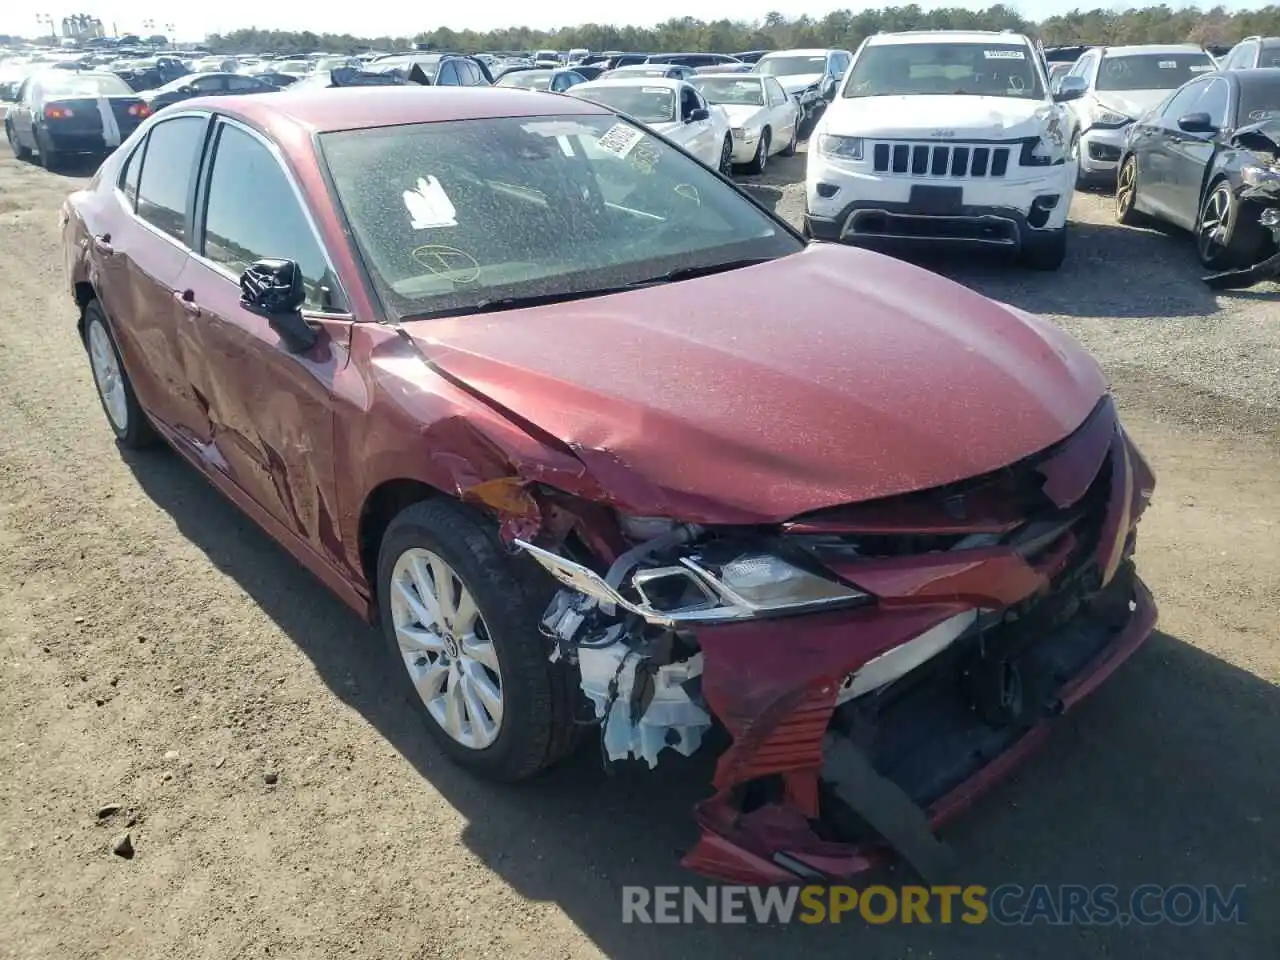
{"type": "Point", "coordinates": [1266, 269]}
{"type": "Point", "coordinates": [953, 626]}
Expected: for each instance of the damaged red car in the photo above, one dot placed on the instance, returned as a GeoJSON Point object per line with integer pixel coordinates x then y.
{"type": "Point", "coordinates": [596, 437]}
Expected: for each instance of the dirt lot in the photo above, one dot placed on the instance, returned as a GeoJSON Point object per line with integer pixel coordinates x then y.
{"type": "Point", "coordinates": [161, 654]}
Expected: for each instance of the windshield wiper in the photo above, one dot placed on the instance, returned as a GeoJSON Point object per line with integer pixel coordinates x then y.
{"type": "Point", "coordinates": [705, 270]}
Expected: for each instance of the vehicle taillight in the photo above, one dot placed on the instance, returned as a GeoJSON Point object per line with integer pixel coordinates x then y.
{"type": "Point", "coordinates": [139, 110]}
{"type": "Point", "coordinates": [57, 113]}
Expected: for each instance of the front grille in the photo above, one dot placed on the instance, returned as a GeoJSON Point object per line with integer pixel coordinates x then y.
{"type": "Point", "coordinates": [941, 159]}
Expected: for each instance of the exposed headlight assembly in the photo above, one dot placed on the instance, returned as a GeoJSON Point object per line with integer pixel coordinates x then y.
{"type": "Point", "coordinates": [1042, 152]}
{"type": "Point", "coordinates": [1255, 176]}
{"type": "Point", "coordinates": [693, 591]}
{"type": "Point", "coordinates": [842, 148]}
{"type": "Point", "coordinates": [1110, 120]}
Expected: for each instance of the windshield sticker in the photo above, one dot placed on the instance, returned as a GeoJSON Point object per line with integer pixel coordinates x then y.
{"type": "Point", "coordinates": [450, 262]}
{"type": "Point", "coordinates": [620, 139]}
{"type": "Point", "coordinates": [1004, 54]}
{"type": "Point", "coordinates": [1167, 64]}
{"type": "Point", "coordinates": [1203, 68]}
{"type": "Point", "coordinates": [655, 90]}
{"type": "Point", "coordinates": [557, 128]}
{"type": "Point", "coordinates": [1259, 115]}
{"type": "Point", "coordinates": [429, 206]}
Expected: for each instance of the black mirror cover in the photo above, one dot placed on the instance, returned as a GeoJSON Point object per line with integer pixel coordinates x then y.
{"type": "Point", "coordinates": [700, 113]}
{"type": "Point", "coordinates": [418, 75]}
{"type": "Point", "coordinates": [1196, 123]}
{"type": "Point", "coordinates": [272, 287]}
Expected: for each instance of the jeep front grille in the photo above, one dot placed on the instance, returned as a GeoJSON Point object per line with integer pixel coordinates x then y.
{"type": "Point", "coordinates": [941, 159]}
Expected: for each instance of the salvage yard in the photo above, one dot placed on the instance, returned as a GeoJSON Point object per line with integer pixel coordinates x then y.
{"type": "Point", "coordinates": [162, 656]}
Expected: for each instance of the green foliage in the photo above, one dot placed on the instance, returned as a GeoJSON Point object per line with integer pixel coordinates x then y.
{"type": "Point", "coordinates": [840, 28]}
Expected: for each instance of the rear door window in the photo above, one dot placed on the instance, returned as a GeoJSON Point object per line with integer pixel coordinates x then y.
{"type": "Point", "coordinates": [168, 171]}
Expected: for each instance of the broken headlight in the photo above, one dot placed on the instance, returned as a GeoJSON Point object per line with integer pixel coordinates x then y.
{"type": "Point", "coordinates": [765, 584]}
{"type": "Point", "coordinates": [1255, 176]}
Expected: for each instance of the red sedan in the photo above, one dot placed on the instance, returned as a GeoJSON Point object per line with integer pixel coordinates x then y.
{"type": "Point", "coordinates": [595, 437]}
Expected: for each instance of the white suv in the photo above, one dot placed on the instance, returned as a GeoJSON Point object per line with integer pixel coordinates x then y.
{"type": "Point", "coordinates": [944, 136]}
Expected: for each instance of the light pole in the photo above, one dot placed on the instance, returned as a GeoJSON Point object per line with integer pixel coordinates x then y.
{"type": "Point", "coordinates": [44, 18]}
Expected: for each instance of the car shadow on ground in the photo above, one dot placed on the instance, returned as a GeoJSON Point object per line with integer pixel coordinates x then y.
{"type": "Point", "coordinates": [1100, 257]}
{"type": "Point", "coordinates": [1166, 776]}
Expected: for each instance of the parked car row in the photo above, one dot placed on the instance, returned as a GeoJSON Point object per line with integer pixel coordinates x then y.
{"type": "Point", "coordinates": [607, 449]}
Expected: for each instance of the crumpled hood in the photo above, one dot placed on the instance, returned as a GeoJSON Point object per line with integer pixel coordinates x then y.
{"type": "Point", "coordinates": [830, 376]}
{"type": "Point", "coordinates": [799, 81]}
{"type": "Point", "coordinates": [1132, 103]}
{"type": "Point", "coordinates": [912, 117]}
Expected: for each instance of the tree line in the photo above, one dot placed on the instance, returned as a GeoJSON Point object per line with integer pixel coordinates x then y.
{"type": "Point", "coordinates": [840, 28]}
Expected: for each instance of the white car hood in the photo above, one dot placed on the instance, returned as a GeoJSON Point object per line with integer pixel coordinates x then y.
{"type": "Point", "coordinates": [1132, 103]}
{"type": "Point", "coordinates": [910, 117]}
{"type": "Point", "coordinates": [742, 114]}
{"type": "Point", "coordinates": [799, 81]}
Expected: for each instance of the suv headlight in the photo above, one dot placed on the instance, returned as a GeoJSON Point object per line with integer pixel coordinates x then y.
{"type": "Point", "coordinates": [842, 148]}
{"type": "Point", "coordinates": [1110, 120]}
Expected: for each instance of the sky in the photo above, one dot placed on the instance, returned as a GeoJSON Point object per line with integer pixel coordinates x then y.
{"type": "Point", "coordinates": [395, 17]}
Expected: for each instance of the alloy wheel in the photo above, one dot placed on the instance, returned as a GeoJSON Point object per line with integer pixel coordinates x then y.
{"type": "Point", "coordinates": [107, 376]}
{"type": "Point", "coordinates": [1125, 188]}
{"type": "Point", "coordinates": [446, 648]}
{"type": "Point", "coordinates": [1214, 229]}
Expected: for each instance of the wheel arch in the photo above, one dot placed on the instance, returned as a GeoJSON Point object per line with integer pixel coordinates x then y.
{"type": "Point", "coordinates": [83, 292]}
{"type": "Point", "coordinates": [380, 507]}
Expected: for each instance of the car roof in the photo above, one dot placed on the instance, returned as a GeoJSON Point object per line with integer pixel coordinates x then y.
{"type": "Point", "coordinates": [947, 36]}
{"type": "Point", "coordinates": [1153, 48]}
{"type": "Point", "coordinates": [357, 108]}
{"type": "Point", "coordinates": [668, 82]}
{"type": "Point", "coordinates": [799, 52]}
{"type": "Point", "coordinates": [1259, 76]}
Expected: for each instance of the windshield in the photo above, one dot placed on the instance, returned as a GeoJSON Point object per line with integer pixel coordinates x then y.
{"type": "Point", "coordinates": [530, 79]}
{"type": "Point", "coordinates": [83, 85]}
{"type": "Point", "coordinates": [1151, 71]}
{"type": "Point", "coordinates": [637, 71]}
{"type": "Point", "coordinates": [973, 69]}
{"type": "Point", "coordinates": [646, 104]}
{"type": "Point", "coordinates": [731, 90]}
{"type": "Point", "coordinates": [294, 66]}
{"type": "Point", "coordinates": [451, 215]}
{"type": "Point", "coordinates": [207, 65]}
{"type": "Point", "coordinates": [791, 66]}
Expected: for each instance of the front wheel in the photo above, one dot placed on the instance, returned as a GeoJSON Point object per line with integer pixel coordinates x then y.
{"type": "Point", "coordinates": [726, 157]}
{"type": "Point", "coordinates": [1127, 194]}
{"type": "Point", "coordinates": [1226, 238]}
{"type": "Point", "coordinates": [130, 425]}
{"type": "Point", "coordinates": [1046, 250]}
{"type": "Point", "coordinates": [761, 160]}
{"type": "Point", "coordinates": [460, 617]}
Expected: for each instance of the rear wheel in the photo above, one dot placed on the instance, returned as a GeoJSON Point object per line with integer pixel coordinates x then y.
{"type": "Point", "coordinates": [460, 617]}
{"type": "Point", "coordinates": [20, 152]}
{"type": "Point", "coordinates": [49, 158]}
{"type": "Point", "coordinates": [790, 149]}
{"type": "Point", "coordinates": [124, 414]}
{"type": "Point", "coordinates": [761, 160]}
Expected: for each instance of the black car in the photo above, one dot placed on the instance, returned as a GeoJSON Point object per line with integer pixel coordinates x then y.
{"type": "Point", "coordinates": [61, 112]}
{"type": "Point", "coordinates": [205, 85]}
{"type": "Point", "coordinates": [1208, 160]}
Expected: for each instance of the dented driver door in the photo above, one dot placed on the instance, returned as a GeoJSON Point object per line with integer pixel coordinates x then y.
{"type": "Point", "coordinates": [269, 406]}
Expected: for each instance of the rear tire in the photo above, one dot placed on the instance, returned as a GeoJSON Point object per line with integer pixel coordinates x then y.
{"type": "Point", "coordinates": [790, 149]}
{"type": "Point", "coordinates": [510, 594]}
{"type": "Point", "coordinates": [49, 158]}
{"type": "Point", "coordinates": [1046, 251]}
{"type": "Point", "coordinates": [19, 152]}
{"type": "Point", "coordinates": [115, 391]}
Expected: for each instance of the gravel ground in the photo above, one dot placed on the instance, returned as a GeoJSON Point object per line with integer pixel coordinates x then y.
{"type": "Point", "coordinates": [162, 656]}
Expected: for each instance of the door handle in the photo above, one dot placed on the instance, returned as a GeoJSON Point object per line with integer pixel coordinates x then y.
{"type": "Point", "coordinates": [187, 299]}
{"type": "Point", "coordinates": [102, 243]}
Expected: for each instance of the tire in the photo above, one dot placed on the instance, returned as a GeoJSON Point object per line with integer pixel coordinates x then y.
{"type": "Point", "coordinates": [536, 727]}
{"type": "Point", "coordinates": [806, 230]}
{"type": "Point", "coordinates": [790, 149]}
{"type": "Point", "coordinates": [1126, 211]}
{"type": "Point", "coordinates": [1235, 238]}
{"type": "Point", "coordinates": [1046, 251]}
{"type": "Point", "coordinates": [760, 161]}
{"type": "Point", "coordinates": [124, 414]}
{"type": "Point", "coordinates": [726, 157]}
{"type": "Point", "coordinates": [49, 158]}
{"type": "Point", "coordinates": [20, 152]}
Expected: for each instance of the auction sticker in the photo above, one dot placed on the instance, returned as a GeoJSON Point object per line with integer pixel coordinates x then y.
{"type": "Point", "coordinates": [1004, 54]}
{"type": "Point", "coordinates": [620, 139]}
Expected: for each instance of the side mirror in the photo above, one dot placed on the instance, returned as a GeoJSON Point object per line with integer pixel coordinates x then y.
{"type": "Point", "coordinates": [1196, 123]}
{"type": "Point", "coordinates": [829, 88]}
{"type": "Point", "coordinates": [701, 113]}
{"type": "Point", "coordinates": [1070, 88]}
{"type": "Point", "coordinates": [273, 289]}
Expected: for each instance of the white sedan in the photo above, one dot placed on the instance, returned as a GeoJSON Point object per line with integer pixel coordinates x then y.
{"type": "Point", "coordinates": [672, 108]}
{"type": "Point", "coordinates": [763, 118]}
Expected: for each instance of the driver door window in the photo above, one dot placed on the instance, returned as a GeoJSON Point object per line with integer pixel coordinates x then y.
{"type": "Point", "coordinates": [688, 103]}
{"type": "Point", "coordinates": [247, 179]}
{"type": "Point", "coordinates": [448, 75]}
{"type": "Point", "coordinates": [208, 85]}
{"type": "Point", "coordinates": [1182, 103]}
{"type": "Point", "coordinates": [1214, 102]}
{"type": "Point", "coordinates": [777, 96]}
